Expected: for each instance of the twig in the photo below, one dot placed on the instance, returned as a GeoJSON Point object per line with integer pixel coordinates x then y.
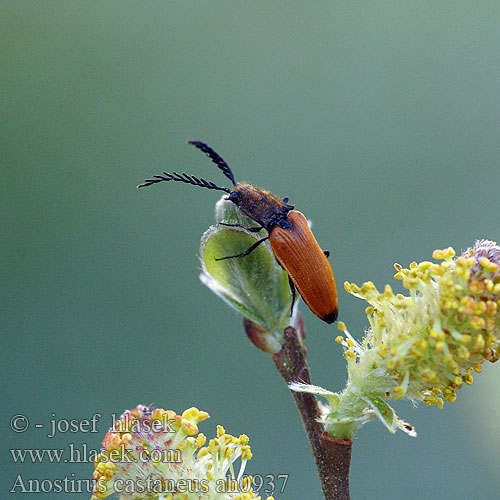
{"type": "Point", "coordinates": [332, 455]}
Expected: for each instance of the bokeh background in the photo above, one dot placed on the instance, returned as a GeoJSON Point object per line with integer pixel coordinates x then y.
{"type": "Point", "coordinates": [379, 120]}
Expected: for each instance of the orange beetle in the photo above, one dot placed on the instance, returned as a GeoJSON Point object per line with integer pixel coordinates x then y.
{"type": "Point", "coordinates": [292, 242]}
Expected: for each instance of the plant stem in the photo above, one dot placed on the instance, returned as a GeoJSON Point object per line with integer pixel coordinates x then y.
{"type": "Point", "coordinates": [332, 455]}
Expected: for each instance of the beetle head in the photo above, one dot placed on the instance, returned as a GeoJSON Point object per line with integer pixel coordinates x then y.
{"type": "Point", "coordinates": [234, 196]}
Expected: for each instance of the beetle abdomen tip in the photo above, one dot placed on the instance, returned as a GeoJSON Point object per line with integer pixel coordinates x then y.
{"type": "Point", "coordinates": [331, 317]}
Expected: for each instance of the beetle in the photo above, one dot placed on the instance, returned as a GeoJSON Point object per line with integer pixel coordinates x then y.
{"type": "Point", "coordinates": [292, 242]}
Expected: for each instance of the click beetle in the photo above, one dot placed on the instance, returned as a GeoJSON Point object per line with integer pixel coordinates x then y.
{"type": "Point", "coordinates": [292, 242]}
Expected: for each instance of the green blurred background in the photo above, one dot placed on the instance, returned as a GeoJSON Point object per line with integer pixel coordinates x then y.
{"type": "Point", "coordinates": [379, 120]}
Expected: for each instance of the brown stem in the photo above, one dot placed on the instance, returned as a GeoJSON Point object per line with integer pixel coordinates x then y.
{"type": "Point", "coordinates": [332, 455]}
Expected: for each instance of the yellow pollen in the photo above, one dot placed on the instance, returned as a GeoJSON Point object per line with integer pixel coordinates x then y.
{"type": "Point", "coordinates": [399, 392]}
{"type": "Point", "coordinates": [425, 265]}
{"type": "Point", "coordinates": [341, 326]}
{"type": "Point", "coordinates": [427, 375]}
{"type": "Point", "coordinates": [367, 287]}
{"type": "Point", "coordinates": [477, 287]}
{"type": "Point", "coordinates": [463, 353]}
{"type": "Point", "coordinates": [451, 396]}
{"type": "Point", "coordinates": [246, 454]}
{"type": "Point", "coordinates": [423, 344]}
{"type": "Point", "coordinates": [188, 427]}
{"type": "Point", "coordinates": [479, 342]}
{"type": "Point", "coordinates": [488, 265]}
{"type": "Point", "coordinates": [491, 308]}
{"type": "Point", "coordinates": [246, 481]}
{"type": "Point", "coordinates": [437, 270]}
{"type": "Point", "coordinates": [438, 254]}
{"type": "Point", "coordinates": [477, 322]}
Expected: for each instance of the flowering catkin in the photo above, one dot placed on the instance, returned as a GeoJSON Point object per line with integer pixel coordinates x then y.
{"type": "Point", "coordinates": [157, 454]}
{"type": "Point", "coordinates": [429, 343]}
{"type": "Point", "coordinates": [424, 345]}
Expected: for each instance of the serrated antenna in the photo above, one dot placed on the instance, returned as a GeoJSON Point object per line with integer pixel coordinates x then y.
{"type": "Point", "coordinates": [188, 179]}
{"type": "Point", "coordinates": [216, 158]}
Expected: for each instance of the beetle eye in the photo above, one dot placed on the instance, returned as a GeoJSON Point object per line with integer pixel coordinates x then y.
{"type": "Point", "coordinates": [234, 197]}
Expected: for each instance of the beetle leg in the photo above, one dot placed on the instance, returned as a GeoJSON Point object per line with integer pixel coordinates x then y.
{"type": "Point", "coordinates": [247, 251]}
{"type": "Point", "coordinates": [327, 253]}
{"type": "Point", "coordinates": [294, 293]}
{"type": "Point", "coordinates": [251, 229]}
